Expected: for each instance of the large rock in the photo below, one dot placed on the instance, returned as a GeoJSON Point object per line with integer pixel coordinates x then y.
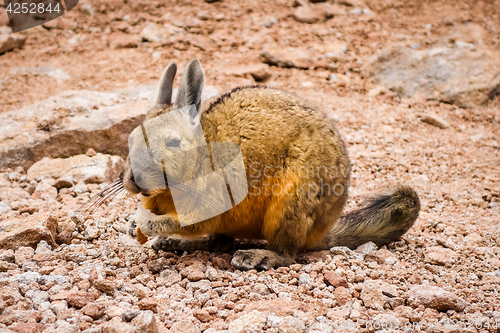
{"type": "Point", "coordinates": [287, 57]}
{"type": "Point", "coordinates": [17, 232]}
{"type": "Point", "coordinates": [376, 294]}
{"type": "Point", "coordinates": [119, 40]}
{"type": "Point", "coordinates": [145, 322]}
{"type": "Point", "coordinates": [70, 123]}
{"type": "Point", "coordinates": [10, 42]}
{"type": "Point", "coordinates": [436, 298]}
{"type": "Point", "coordinates": [96, 169]}
{"type": "Point", "coordinates": [55, 72]}
{"type": "Point", "coordinates": [259, 72]}
{"type": "Point", "coordinates": [251, 321]}
{"type": "Point", "coordinates": [438, 255]}
{"type": "Point", "coordinates": [154, 33]}
{"type": "Point", "coordinates": [467, 77]}
{"type": "Point", "coordinates": [311, 14]}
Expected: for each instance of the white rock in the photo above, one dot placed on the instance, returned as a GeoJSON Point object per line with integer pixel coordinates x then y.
{"type": "Point", "coordinates": [253, 321]}
{"type": "Point", "coordinates": [55, 72]}
{"type": "Point", "coordinates": [4, 208]}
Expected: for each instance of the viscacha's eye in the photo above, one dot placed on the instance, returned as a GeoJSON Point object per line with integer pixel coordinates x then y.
{"type": "Point", "coordinates": [173, 142]}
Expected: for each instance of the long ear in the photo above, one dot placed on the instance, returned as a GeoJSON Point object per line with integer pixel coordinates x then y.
{"type": "Point", "coordinates": [165, 87]}
{"type": "Point", "coordinates": [191, 85]}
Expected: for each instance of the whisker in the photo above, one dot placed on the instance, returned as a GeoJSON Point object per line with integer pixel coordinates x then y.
{"type": "Point", "coordinates": [105, 196]}
{"type": "Point", "coordinates": [204, 197]}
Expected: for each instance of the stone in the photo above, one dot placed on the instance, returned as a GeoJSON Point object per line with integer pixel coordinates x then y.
{"type": "Point", "coordinates": [27, 328]}
{"type": "Point", "coordinates": [148, 303]}
{"type": "Point", "coordinates": [195, 275]}
{"type": "Point", "coordinates": [259, 72]}
{"type": "Point", "coordinates": [71, 122]}
{"type": "Point", "coordinates": [468, 32]}
{"type": "Point", "coordinates": [342, 295]}
{"type": "Point", "coordinates": [335, 280]}
{"type": "Point", "coordinates": [18, 232]}
{"type": "Point", "coordinates": [435, 120]}
{"type": "Point", "coordinates": [201, 42]}
{"type": "Point", "coordinates": [7, 266]}
{"type": "Point", "coordinates": [211, 273]}
{"type": "Point", "coordinates": [154, 33]}
{"type": "Point", "coordinates": [346, 252]}
{"type": "Point", "coordinates": [202, 315]}
{"type": "Point", "coordinates": [279, 306]}
{"type": "Point", "coordinates": [94, 310]}
{"type": "Point", "coordinates": [287, 57]}
{"type": "Point", "coordinates": [86, 9]}
{"type": "Point", "coordinates": [45, 190]}
{"type": "Point", "coordinates": [130, 314]}
{"type": "Point", "coordinates": [261, 288]}
{"type": "Point", "coordinates": [91, 170]}
{"type": "Point", "coordinates": [4, 18]}
{"type": "Point", "coordinates": [376, 91]}
{"type": "Point", "coordinates": [9, 195]}
{"type": "Point", "coordinates": [62, 23]}
{"type": "Point", "coordinates": [105, 286]}
{"type": "Point", "coordinates": [366, 248]}
{"type": "Point", "coordinates": [438, 255]}
{"type": "Point", "coordinates": [269, 22]}
{"type": "Point", "coordinates": [338, 314]}
{"type": "Point", "coordinates": [110, 327]}
{"type": "Point", "coordinates": [79, 299]}
{"type": "Point", "coordinates": [114, 311]}
{"type": "Point", "coordinates": [55, 72]}
{"type": "Point", "coordinates": [436, 298]}
{"type": "Point", "coordinates": [118, 40]}
{"type": "Point", "coordinates": [23, 254]}
{"type": "Point", "coordinates": [185, 326]}
{"type": "Point", "coordinates": [381, 256]}
{"type": "Point", "coordinates": [376, 294]}
{"type": "Point", "coordinates": [304, 278]}
{"type": "Point", "coordinates": [64, 182]}
{"type": "Point", "coordinates": [311, 14]}
{"type": "Point", "coordinates": [7, 255]}
{"type": "Point", "coordinates": [462, 76]}
{"type": "Point", "coordinates": [10, 42]}
{"type": "Point", "coordinates": [4, 208]}
{"type": "Point", "coordinates": [253, 321]}
{"type": "Point", "coordinates": [186, 22]}
{"type": "Point", "coordinates": [66, 327]}
{"type": "Point", "coordinates": [145, 322]}
{"type": "Point", "coordinates": [91, 152]}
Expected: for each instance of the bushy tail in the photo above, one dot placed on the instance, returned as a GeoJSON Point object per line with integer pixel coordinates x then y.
{"type": "Point", "coordinates": [384, 219]}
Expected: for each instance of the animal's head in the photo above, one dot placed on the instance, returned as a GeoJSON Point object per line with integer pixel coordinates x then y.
{"type": "Point", "coordinates": [169, 146]}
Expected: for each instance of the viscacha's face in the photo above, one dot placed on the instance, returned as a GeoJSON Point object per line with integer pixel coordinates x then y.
{"type": "Point", "coordinates": [168, 148]}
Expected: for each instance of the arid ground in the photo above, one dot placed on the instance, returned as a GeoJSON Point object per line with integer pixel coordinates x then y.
{"type": "Point", "coordinates": [443, 276]}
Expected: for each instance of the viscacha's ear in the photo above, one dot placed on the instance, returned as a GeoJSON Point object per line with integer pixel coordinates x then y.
{"type": "Point", "coordinates": [191, 85]}
{"type": "Point", "coordinates": [165, 87]}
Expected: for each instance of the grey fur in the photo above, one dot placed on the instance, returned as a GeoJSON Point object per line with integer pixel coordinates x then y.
{"type": "Point", "coordinates": [191, 85]}
{"type": "Point", "coordinates": [384, 219]}
{"type": "Point", "coordinates": [165, 86]}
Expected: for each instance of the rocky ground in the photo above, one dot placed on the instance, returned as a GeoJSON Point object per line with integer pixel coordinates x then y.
{"type": "Point", "coordinates": [412, 87]}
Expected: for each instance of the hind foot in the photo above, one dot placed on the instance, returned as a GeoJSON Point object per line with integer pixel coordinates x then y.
{"type": "Point", "coordinates": [260, 259]}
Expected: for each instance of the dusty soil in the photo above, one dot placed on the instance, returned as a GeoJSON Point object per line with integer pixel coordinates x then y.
{"type": "Point", "coordinates": [453, 245]}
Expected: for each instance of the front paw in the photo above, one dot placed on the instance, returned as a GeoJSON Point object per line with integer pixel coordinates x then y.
{"type": "Point", "coordinates": [132, 228]}
{"type": "Point", "coordinates": [259, 259]}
